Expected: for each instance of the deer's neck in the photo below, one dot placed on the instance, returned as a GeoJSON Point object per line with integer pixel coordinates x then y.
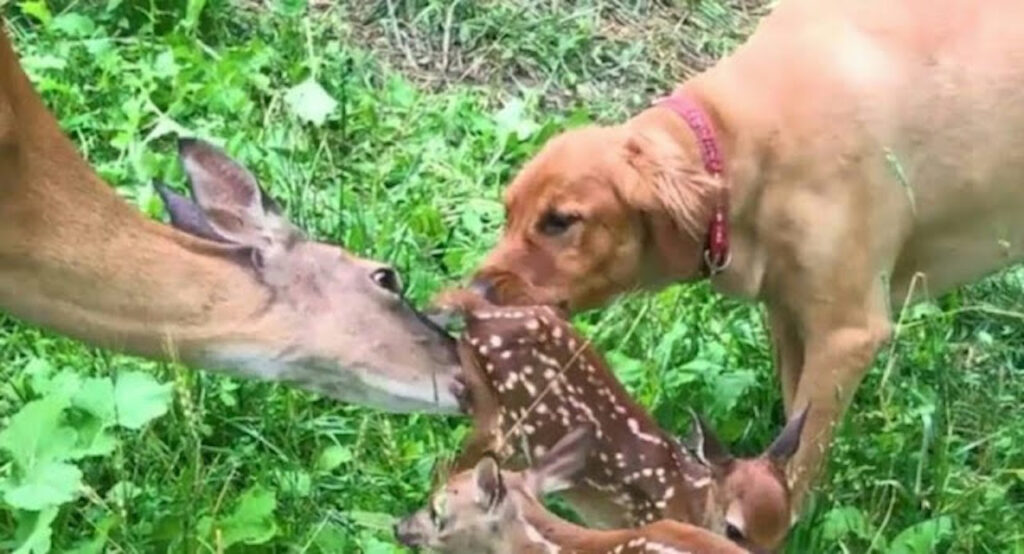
{"type": "Point", "coordinates": [76, 259]}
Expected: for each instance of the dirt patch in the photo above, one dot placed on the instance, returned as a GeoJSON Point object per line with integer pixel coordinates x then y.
{"type": "Point", "coordinates": [574, 51]}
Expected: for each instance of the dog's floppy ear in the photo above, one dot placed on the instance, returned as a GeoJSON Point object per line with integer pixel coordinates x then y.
{"type": "Point", "coordinates": [668, 181]}
{"type": "Point", "coordinates": [672, 201]}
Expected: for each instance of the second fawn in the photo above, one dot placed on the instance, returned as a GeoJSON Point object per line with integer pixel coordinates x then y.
{"type": "Point", "coordinates": [530, 378]}
{"type": "Point", "coordinates": [488, 510]}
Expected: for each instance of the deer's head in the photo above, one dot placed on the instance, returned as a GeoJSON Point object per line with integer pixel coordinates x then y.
{"type": "Point", "coordinates": [481, 509]}
{"type": "Point", "coordinates": [332, 321]}
{"type": "Point", "coordinates": [752, 494]}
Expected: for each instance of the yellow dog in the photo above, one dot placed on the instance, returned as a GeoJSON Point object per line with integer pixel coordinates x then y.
{"type": "Point", "coordinates": [847, 147]}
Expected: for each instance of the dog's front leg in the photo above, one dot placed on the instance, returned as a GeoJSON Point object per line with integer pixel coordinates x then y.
{"type": "Point", "coordinates": [837, 357]}
{"type": "Point", "coordinates": [788, 352]}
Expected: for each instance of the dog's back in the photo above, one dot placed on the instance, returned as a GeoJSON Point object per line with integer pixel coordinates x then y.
{"type": "Point", "coordinates": [919, 102]}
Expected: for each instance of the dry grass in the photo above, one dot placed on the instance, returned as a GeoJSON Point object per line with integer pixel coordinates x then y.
{"type": "Point", "coordinates": [574, 52]}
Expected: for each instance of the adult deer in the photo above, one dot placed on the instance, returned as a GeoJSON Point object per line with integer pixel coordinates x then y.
{"type": "Point", "coordinates": [241, 289]}
{"type": "Point", "coordinates": [487, 509]}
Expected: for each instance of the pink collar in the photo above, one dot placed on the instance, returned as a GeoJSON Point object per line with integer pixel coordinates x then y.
{"type": "Point", "coordinates": [716, 249]}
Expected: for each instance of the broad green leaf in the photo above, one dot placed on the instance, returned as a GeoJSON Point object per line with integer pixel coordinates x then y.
{"type": "Point", "coordinates": [123, 492]}
{"type": "Point", "coordinates": [49, 484]}
{"type": "Point", "coordinates": [310, 102]}
{"type": "Point", "coordinates": [332, 457]}
{"type": "Point", "coordinates": [512, 119]}
{"type": "Point", "coordinates": [38, 370]}
{"type": "Point", "coordinates": [373, 520]}
{"type": "Point", "coordinates": [373, 545]}
{"type": "Point", "coordinates": [330, 538]}
{"type": "Point", "coordinates": [38, 10]}
{"type": "Point", "coordinates": [35, 434]}
{"type": "Point", "coordinates": [74, 24]}
{"type": "Point", "coordinates": [252, 521]}
{"type": "Point", "coordinates": [164, 65]}
{"type": "Point", "coordinates": [294, 483]}
{"type": "Point", "coordinates": [96, 396]}
{"type": "Point", "coordinates": [42, 64]}
{"type": "Point", "coordinates": [841, 522]}
{"type": "Point", "coordinates": [401, 93]}
{"type": "Point", "coordinates": [34, 531]}
{"type": "Point", "coordinates": [94, 439]}
{"type": "Point", "coordinates": [64, 384]}
{"type": "Point", "coordinates": [139, 399]}
{"type": "Point", "coordinates": [922, 538]}
{"type": "Point", "coordinates": [628, 369]}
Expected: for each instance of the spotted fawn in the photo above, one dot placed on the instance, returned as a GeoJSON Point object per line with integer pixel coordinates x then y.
{"type": "Point", "coordinates": [529, 378]}
{"type": "Point", "coordinates": [487, 510]}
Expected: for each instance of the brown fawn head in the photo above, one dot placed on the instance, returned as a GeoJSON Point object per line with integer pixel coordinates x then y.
{"type": "Point", "coordinates": [342, 323]}
{"type": "Point", "coordinates": [481, 510]}
{"type": "Point", "coordinates": [752, 494]}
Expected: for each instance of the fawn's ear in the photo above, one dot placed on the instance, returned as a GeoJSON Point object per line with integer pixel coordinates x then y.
{"type": "Point", "coordinates": [788, 441]}
{"type": "Point", "coordinates": [490, 487]}
{"type": "Point", "coordinates": [709, 449]}
{"type": "Point", "coordinates": [231, 200]}
{"type": "Point", "coordinates": [558, 469]}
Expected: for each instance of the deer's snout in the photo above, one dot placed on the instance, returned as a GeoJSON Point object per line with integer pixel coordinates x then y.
{"type": "Point", "coordinates": [408, 533]}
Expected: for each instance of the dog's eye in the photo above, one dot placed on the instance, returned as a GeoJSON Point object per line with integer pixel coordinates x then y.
{"type": "Point", "coordinates": [555, 223]}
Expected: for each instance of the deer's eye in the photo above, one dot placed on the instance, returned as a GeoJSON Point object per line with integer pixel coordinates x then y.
{"type": "Point", "coordinates": [387, 279]}
{"type": "Point", "coordinates": [733, 533]}
{"type": "Point", "coordinates": [555, 223]}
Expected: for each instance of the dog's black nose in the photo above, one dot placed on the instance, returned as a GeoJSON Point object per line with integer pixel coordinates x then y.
{"type": "Point", "coordinates": [484, 287]}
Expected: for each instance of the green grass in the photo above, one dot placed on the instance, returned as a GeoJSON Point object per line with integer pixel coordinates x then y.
{"type": "Point", "coordinates": [439, 103]}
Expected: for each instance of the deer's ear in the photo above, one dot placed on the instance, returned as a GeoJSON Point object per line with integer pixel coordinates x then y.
{"type": "Point", "coordinates": [788, 441]}
{"type": "Point", "coordinates": [231, 200]}
{"type": "Point", "coordinates": [490, 487]}
{"type": "Point", "coordinates": [708, 447]}
{"type": "Point", "coordinates": [559, 468]}
{"type": "Point", "coordinates": [185, 214]}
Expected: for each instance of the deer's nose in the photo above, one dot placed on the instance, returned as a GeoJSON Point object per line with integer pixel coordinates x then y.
{"type": "Point", "coordinates": [485, 288]}
{"type": "Point", "coordinates": [406, 536]}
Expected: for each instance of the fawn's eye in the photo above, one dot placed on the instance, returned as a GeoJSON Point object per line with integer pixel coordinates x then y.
{"type": "Point", "coordinates": [555, 223]}
{"type": "Point", "coordinates": [437, 507]}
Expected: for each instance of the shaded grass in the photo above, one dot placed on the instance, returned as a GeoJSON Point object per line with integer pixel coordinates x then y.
{"type": "Point", "coordinates": [409, 169]}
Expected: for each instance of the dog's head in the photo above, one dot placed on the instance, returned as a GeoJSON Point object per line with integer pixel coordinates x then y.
{"type": "Point", "coordinates": [601, 211]}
